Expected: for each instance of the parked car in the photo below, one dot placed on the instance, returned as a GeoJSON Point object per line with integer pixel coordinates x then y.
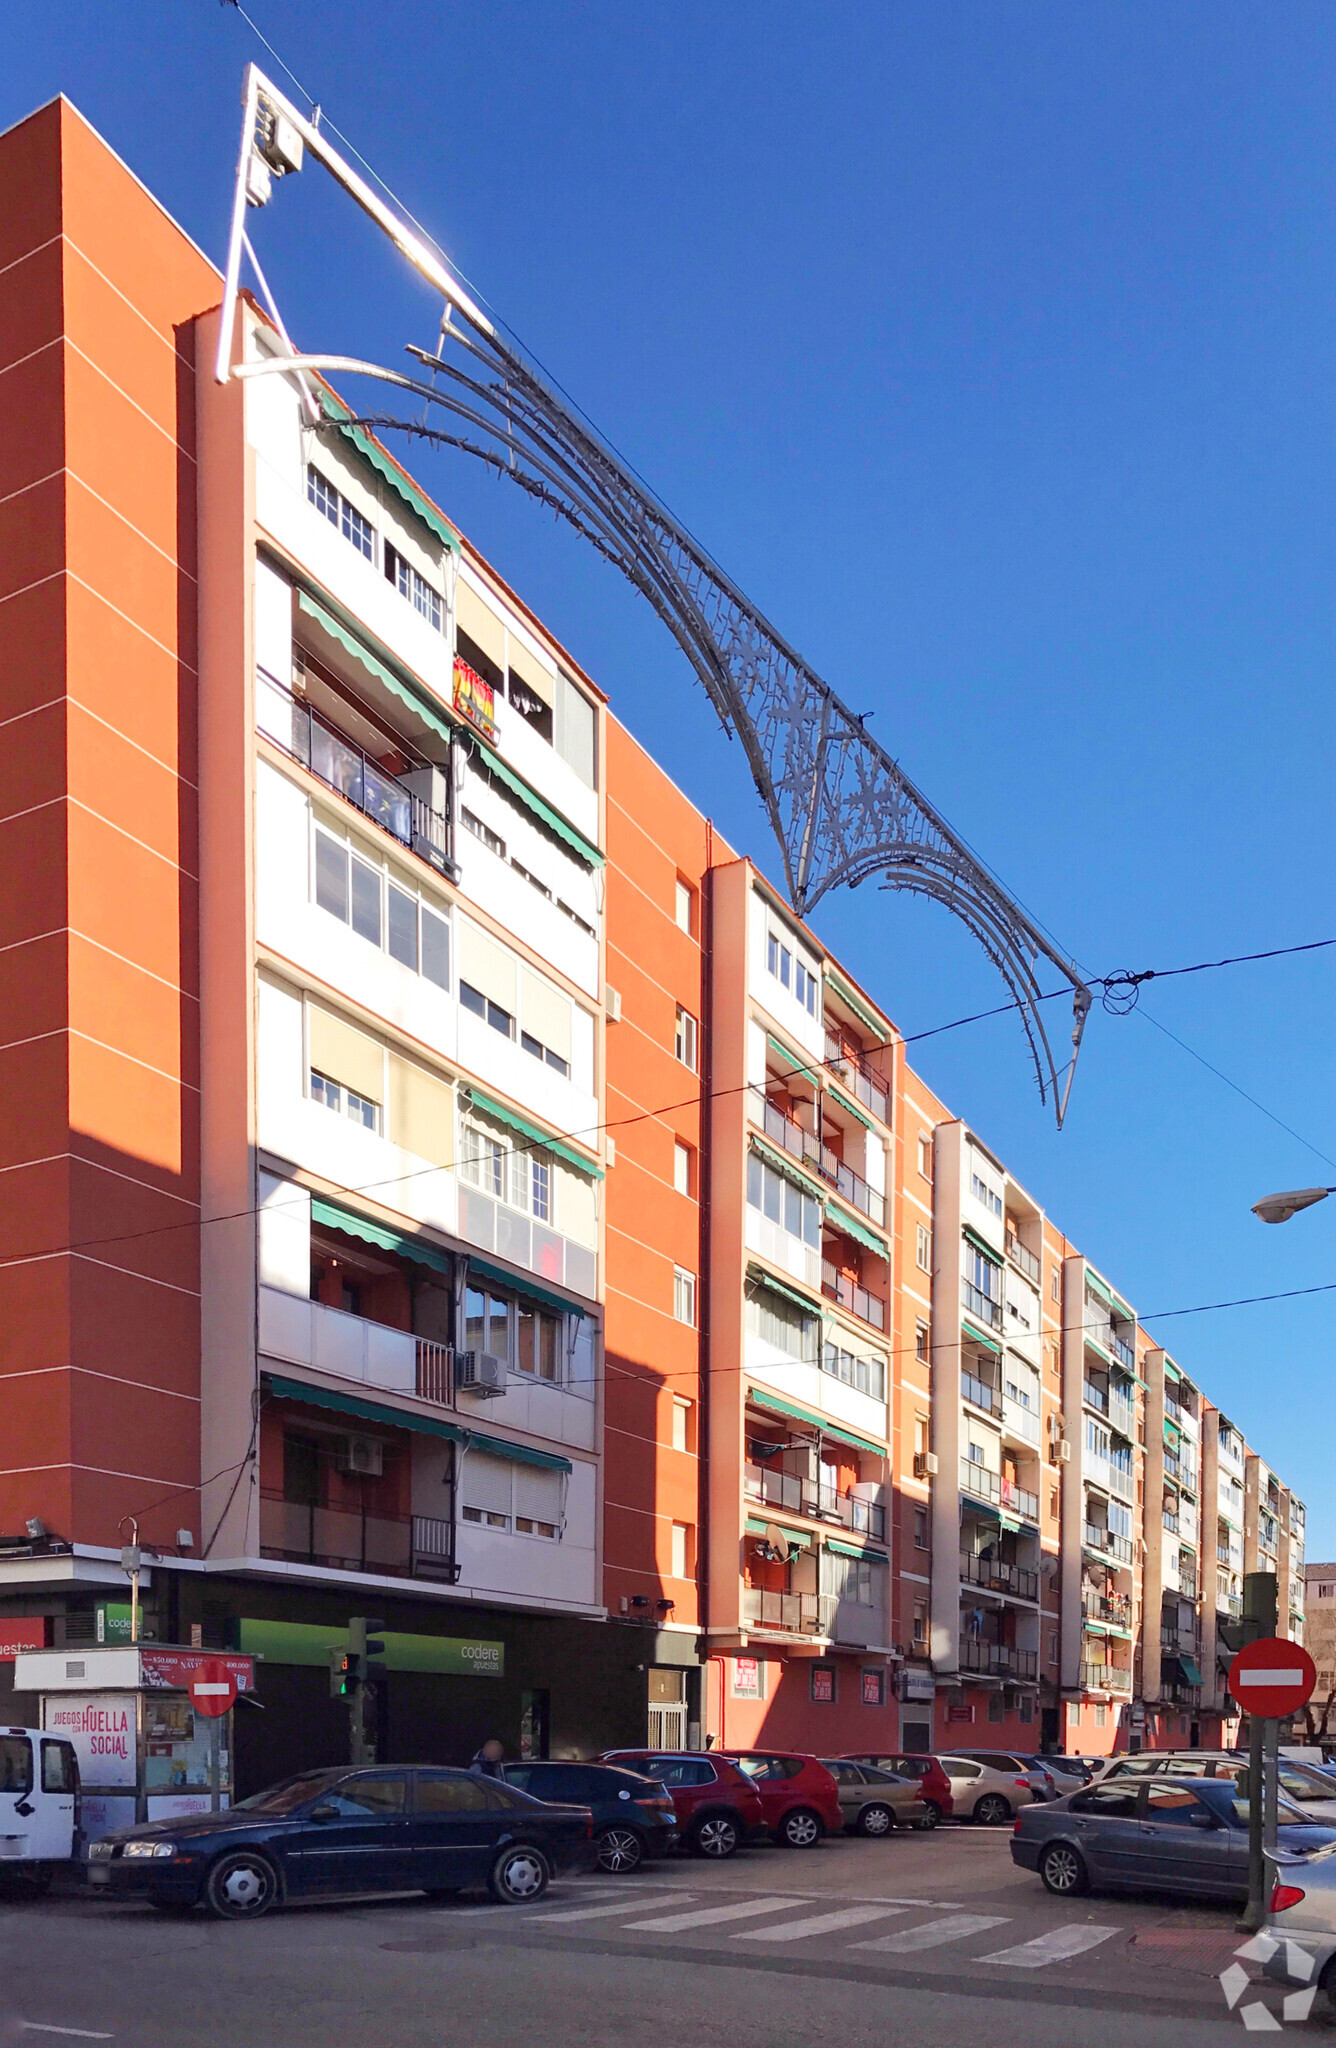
{"type": "Point", "coordinates": [800, 1800]}
{"type": "Point", "coordinates": [718, 1808]}
{"type": "Point", "coordinates": [874, 1802]}
{"type": "Point", "coordinates": [934, 1784]}
{"type": "Point", "coordinates": [39, 1806]}
{"type": "Point", "coordinates": [1304, 1785]}
{"type": "Point", "coordinates": [989, 1786]}
{"type": "Point", "coordinates": [1150, 1834]}
{"type": "Point", "coordinates": [634, 1818]}
{"type": "Point", "coordinates": [1064, 1774]}
{"type": "Point", "coordinates": [414, 1828]}
{"type": "Point", "coordinates": [1303, 1913]}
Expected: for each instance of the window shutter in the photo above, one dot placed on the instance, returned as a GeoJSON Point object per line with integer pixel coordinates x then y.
{"type": "Point", "coordinates": [486, 965]}
{"type": "Point", "coordinates": [346, 1054]}
{"type": "Point", "coordinates": [546, 1013]}
{"type": "Point", "coordinates": [421, 1114]}
{"type": "Point", "coordinates": [481, 623]}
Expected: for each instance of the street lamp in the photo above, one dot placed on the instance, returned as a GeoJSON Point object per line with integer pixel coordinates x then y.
{"type": "Point", "coordinates": [1280, 1208]}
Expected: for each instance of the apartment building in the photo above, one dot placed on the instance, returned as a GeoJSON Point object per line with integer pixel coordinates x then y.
{"type": "Point", "coordinates": [1319, 1599]}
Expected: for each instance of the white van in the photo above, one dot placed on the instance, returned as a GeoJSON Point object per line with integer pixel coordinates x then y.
{"type": "Point", "coordinates": [39, 1805]}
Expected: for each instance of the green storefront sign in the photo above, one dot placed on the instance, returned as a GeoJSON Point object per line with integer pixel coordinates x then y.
{"type": "Point", "coordinates": [299, 1642]}
{"type": "Point", "coordinates": [113, 1621]}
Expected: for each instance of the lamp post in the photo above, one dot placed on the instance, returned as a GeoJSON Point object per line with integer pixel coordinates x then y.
{"type": "Point", "coordinates": [1280, 1208]}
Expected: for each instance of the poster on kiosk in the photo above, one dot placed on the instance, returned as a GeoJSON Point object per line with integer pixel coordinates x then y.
{"type": "Point", "coordinates": [144, 1751]}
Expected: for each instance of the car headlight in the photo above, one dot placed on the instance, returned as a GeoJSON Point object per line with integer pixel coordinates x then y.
{"type": "Point", "coordinates": [98, 1850]}
{"type": "Point", "coordinates": [149, 1849]}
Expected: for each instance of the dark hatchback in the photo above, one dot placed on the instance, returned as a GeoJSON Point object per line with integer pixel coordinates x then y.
{"type": "Point", "coordinates": [634, 1819]}
{"type": "Point", "coordinates": [382, 1829]}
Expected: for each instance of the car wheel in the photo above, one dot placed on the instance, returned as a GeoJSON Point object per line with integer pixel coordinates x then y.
{"type": "Point", "coordinates": [935, 1810]}
{"type": "Point", "coordinates": [992, 1810]}
{"type": "Point", "coordinates": [619, 1850]}
{"type": "Point", "coordinates": [876, 1820]}
{"type": "Point", "coordinates": [800, 1829]}
{"type": "Point", "coordinates": [929, 1819]}
{"type": "Point", "coordinates": [242, 1886]}
{"type": "Point", "coordinates": [1063, 1871]}
{"type": "Point", "coordinates": [519, 1875]}
{"type": "Point", "coordinates": [717, 1836]}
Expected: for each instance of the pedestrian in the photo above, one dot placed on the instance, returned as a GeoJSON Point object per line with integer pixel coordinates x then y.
{"type": "Point", "coordinates": [487, 1760]}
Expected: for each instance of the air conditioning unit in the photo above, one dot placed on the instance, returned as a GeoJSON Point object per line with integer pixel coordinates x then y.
{"type": "Point", "coordinates": [925, 1464]}
{"type": "Point", "coordinates": [1065, 1451]}
{"type": "Point", "coordinates": [364, 1454]}
{"type": "Point", "coordinates": [477, 1372]}
{"type": "Point", "coordinates": [612, 1004]}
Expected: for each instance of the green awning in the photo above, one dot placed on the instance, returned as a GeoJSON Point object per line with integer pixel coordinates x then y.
{"type": "Point", "coordinates": [849, 1550]}
{"type": "Point", "coordinates": [1098, 1287]}
{"type": "Point", "coordinates": [789, 1168]}
{"type": "Point", "coordinates": [1171, 1434]}
{"type": "Point", "coordinates": [981, 1244]}
{"type": "Point", "coordinates": [856, 1004]}
{"type": "Point", "coordinates": [857, 1443]}
{"type": "Point", "coordinates": [366, 445]}
{"type": "Point", "coordinates": [1191, 1670]}
{"type": "Point", "coordinates": [424, 1425]}
{"type": "Point", "coordinates": [515, 1122]}
{"type": "Point", "coordinates": [1120, 1308]}
{"type": "Point", "coordinates": [335, 1217]}
{"type": "Point", "coordinates": [758, 1276]}
{"type": "Point", "coordinates": [354, 643]}
{"type": "Point", "coordinates": [1171, 1371]}
{"type": "Point", "coordinates": [851, 1107]}
{"type": "Point", "coordinates": [989, 1343]}
{"type": "Point", "coordinates": [842, 1220]}
{"type": "Point", "coordinates": [492, 764]}
{"type": "Point", "coordinates": [793, 1061]}
{"type": "Point", "coordinates": [779, 1407]}
{"type": "Point", "coordinates": [795, 1538]}
{"type": "Point", "coordinates": [520, 1283]}
{"type": "Point", "coordinates": [1010, 1523]}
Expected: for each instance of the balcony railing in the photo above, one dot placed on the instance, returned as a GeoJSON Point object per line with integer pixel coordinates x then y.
{"type": "Point", "coordinates": [1020, 1420]}
{"type": "Point", "coordinates": [987, 1311]}
{"type": "Point", "coordinates": [837, 1286]}
{"type": "Point", "coordinates": [1170, 1522]}
{"type": "Point", "coordinates": [1180, 1640]}
{"type": "Point", "coordinates": [779, 1489]}
{"type": "Point", "coordinates": [303, 1533]}
{"type": "Point", "coordinates": [1229, 1603]}
{"type": "Point", "coordinates": [1112, 1546]}
{"type": "Point", "coordinates": [1121, 1482]}
{"type": "Point", "coordinates": [825, 1503]}
{"type": "Point", "coordinates": [805, 1146]}
{"type": "Point", "coordinates": [793, 1613]}
{"type": "Point", "coordinates": [1021, 1255]}
{"type": "Point", "coordinates": [1095, 1396]}
{"type": "Point", "coordinates": [1171, 1407]}
{"type": "Point", "coordinates": [1113, 1608]}
{"type": "Point", "coordinates": [858, 1077]}
{"type": "Point", "coordinates": [999, 1577]}
{"type": "Point", "coordinates": [979, 1391]}
{"type": "Point", "coordinates": [997, 1660]}
{"type": "Point", "coordinates": [1105, 1678]}
{"type": "Point", "coordinates": [433, 1548]}
{"type": "Point", "coordinates": [979, 1481]}
{"type": "Point", "coordinates": [1097, 1327]}
{"type": "Point", "coordinates": [311, 739]}
{"type": "Point", "coordinates": [1122, 1350]}
{"type": "Point", "coordinates": [1016, 1497]}
{"type": "Point", "coordinates": [434, 1362]}
{"type": "Point", "coordinates": [1122, 1414]}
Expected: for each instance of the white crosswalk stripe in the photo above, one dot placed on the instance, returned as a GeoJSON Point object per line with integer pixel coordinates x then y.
{"type": "Point", "coordinates": [604, 1912]}
{"type": "Point", "coordinates": [713, 1916]}
{"type": "Point", "coordinates": [819, 1923]}
{"type": "Point", "coordinates": [933, 1933]}
{"type": "Point", "coordinates": [1057, 1946]}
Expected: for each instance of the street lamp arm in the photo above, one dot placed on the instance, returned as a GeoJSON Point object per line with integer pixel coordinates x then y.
{"type": "Point", "coordinates": [1280, 1208]}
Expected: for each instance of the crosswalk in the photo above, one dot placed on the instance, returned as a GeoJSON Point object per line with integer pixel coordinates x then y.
{"type": "Point", "coordinates": [792, 1919]}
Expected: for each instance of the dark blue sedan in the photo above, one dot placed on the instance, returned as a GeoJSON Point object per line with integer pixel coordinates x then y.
{"type": "Point", "coordinates": [383, 1829]}
{"type": "Point", "coordinates": [1151, 1834]}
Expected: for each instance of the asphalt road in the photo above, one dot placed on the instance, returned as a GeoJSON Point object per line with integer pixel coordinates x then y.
{"type": "Point", "coordinates": [856, 1940]}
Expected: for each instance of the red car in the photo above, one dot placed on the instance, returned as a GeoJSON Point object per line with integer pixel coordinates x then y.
{"type": "Point", "coordinates": [799, 1797]}
{"type": "Point", "coordinates": [935, 1786]}
{"type": "Point", "coordinates": [718, 1808]}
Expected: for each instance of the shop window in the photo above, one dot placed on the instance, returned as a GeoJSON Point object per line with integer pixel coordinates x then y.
{"type": "Point", "coordinates": [822, 1682]}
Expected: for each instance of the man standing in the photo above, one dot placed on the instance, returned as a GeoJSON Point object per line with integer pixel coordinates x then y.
{"type": "Point", "coordinates": [487, 1760]}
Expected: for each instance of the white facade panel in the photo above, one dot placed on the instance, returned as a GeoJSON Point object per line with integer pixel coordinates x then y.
{"type": "Point", "coordinates": [806, 1028]}
{"type": "Point", "coordinates": [767, 1237]}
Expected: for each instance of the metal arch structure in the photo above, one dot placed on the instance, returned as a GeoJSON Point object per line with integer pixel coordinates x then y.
{"type": "Point", "coordinates": [842, 809]}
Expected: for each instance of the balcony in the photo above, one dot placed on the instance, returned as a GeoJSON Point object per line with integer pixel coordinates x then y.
{"type": "Point", "coordinates": [1097, 1327]}
{"type": "Point", "coordinates": [980, 1393]}
{"type": "Point", "coordinates": [797, 1614]}
{"type": "Point", "coordinates": [343, 1541]}
{"type": "Point", "coordinates": [806, 1147]}
{"type": "Point", "coordinates": [308, 737]}
{"type": "Point", "coordinates": [1095, 1397]}
{"type": "Point", "coordinates": [980, 1306]}
{"type": "Point", "coordinates": [1187, 1583]}
{"type": "Point", "coordinates": [1105, 1678]}
{"type": "Point", "coordinates": [353, 1347]}
{"type": "Point", "coordinates": [1170, 1522]}
{"type": "Point", "coordinates": [997, 1660]}
{"type": "Point", "coordinates": [1121, 1481]}
{"type": "Point", "coordinates": [1230, 1604]}
{"type": "Point", "coordinates": [1122, 1414]}
{"type": "Point", "coordinates": [1026, 1505]}
{"type": "Point", "coordinates": [998, 1577]}
{"type": "Point", "coordinates": [1172, 1410]}
{"type": "Point", "coordinates": [1178, 1642]}
{"type": "Point", "coordinates": [1022, 1257]}
{"type": "Point", "coordinates": [1020, 1420]}
{"type": "Point", "coordinates": [822, 1503]}
{"type": "Point", "coordinates": [1115, 1609]}
{"type": "Point", "coordinates": [1119, 1547]}
{"type": "Point", "coordinates": [1123, 1351]}
{"type": "Point", "coordinates": [853, 1071]}
{"type": "Point", "coordinates": [979, 1481]}
{"type": "Point", "coordinates": [838, 1287]}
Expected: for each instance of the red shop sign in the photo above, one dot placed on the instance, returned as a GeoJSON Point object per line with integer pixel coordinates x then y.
{"type": "Point", "coordinates": [174, 1669]}
{"type": "Point", "coordinates": [23, 1632]}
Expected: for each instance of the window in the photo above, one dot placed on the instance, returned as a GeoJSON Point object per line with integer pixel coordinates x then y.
{"type": "Point", "coordinates": [1055, 1284]}
{"type": "Point", "coordinates": [406, 580]}
{"type": "Point", "coordinates": [530, 703]}
{"type": "Point", "coordinates": [792, 973]}
{"type": "Point", "coordinates": [360, 1796]}
{"type": "Point", "coordinates": [783, 1201]}
{"type": "Point", "coordinates": [992, 1201]}
{"type": "Point", "coordinates": [923, 1248]}
{"type": "Point", "coordinates": [1053, 1498]}
{"type": "Point", "coordinates": [1053, 1646]}
{"type": "Point", "coordinates": [1101, 1713]}
{"type": "Point", "coordinates": [458, 1794]}
{"type": "Point", "coordinates": [681, 1437]}
{"type": "Point", "coordinates": [921, 1342]}
{"type": "Point", "coordinates": [59, 1773]}
{"type": "Point", "coordinates": [381, 911]}
{"type": "Point", "coordinates": [920, 1435]}
{"type": "Point", "coordinates": [679, 1566]}
{"type": "Point", "coordinates": [996, 1707]}
{"type": "Point", "coordinates": [920, 1625]}
{"type": "Point", "coordinates": [874, 1688]}
{"type": "Point", "coordinates": [483, 1006]}
{"type": "Point", "coordinates": [925, 1154]}
{"type": "Point", "coordinates": [684, 1043]}
{"type": "Point", "coordinates": [538, 1051]}
{"type": "Point", "coordinates": [777, 1320]}
{"type": "Point", "coordinates": [332, 1095]}
{"type": "Point", "coordinates": [920, 1528]}
{"type": "Point", "coordinates": [1113, 1800]}
{"type": "Point", "coordinates": [682, 1167]}
{"type": "Point", "coordinates": [335, 507]}
{"type": "Point", "coordinates": [684, 1296]}
{"type": "Point", "coordinates": [491, 840]}
{"type": "Point", "coordinates": [984, 1274]}
{"type": "Point", "coordinates": [682, 905]}
{"type": "Point", "coordinates": [868, 1375]}
{"type": "Point", "coordinates": [823, 1685]}
{"type": "Point", "coordinates": [538, 1335]}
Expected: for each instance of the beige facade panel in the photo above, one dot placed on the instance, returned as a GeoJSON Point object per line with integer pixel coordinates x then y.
{"type": "Point", "coordinates": [421, 1112]}
{"type": "Point", "coordinates": [345, 1054]}
{"type": "Point", "coordinates": [480, 622]}
{"type": "Point", "coordinates": [545, 1012]}
{"type": "Point", "coordinates": [487, 966]}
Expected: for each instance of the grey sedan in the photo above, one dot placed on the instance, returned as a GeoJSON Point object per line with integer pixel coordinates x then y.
{"type": "Point", "coordinates": [1156, 1834]}
{"type": "Point", "coordinates": [1302, 1920]}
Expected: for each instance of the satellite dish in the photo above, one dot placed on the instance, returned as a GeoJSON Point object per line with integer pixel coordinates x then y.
{"type": "Point", "coordinates": [777, 1539]}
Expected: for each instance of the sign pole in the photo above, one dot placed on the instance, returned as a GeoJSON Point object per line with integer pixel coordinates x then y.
{"type": "Point", "coordinates": [1272, 1678]}
{"type": "Point", "coordinates": [215, 1764]}
{"type": "Point", "coordinates": [1255, 1911]}
{"type": "Point", "coordinates": [1271, 1783]}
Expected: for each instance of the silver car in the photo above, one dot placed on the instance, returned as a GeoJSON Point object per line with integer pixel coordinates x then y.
{"type": "Point", "coordinates": [1302, 1920]}
{"type": "Point", "coordinates": [874, 1802]}
{"type": "Point", "coordinates": [1304, 1785]}
{"type": "Point", "coordinates": [989, 1786]}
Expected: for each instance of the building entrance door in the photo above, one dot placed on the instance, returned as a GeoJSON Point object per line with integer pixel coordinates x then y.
{"type": "Point", "coordinates": [667, 1709]}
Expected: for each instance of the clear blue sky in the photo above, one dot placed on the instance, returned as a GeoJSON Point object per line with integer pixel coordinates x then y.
{"type": "Point", "coordinates": [990, 348]}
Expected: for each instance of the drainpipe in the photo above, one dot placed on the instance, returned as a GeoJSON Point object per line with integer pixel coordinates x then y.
{"type": "Point", "coordinates": [705, 1170]}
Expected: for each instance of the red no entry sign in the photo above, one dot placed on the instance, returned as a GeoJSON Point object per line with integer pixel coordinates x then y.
{"type": "Point", "coordinates": [1272, 1678]}
{"type": "Point", "coordinates": [212, 1688]}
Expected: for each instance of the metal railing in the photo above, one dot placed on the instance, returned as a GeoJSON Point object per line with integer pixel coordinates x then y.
{"type": "Point", "coordinates": [795, 1613]}
{"type": "Point", "coordinates": [1097, 1327]}
{"type": "Point", "coordinates": [836, 1286]}
{"type": "Point", "coordinates": [1105, 1678]}
{"type": "Point", "coordinates": [434, 1375]}
{"type": "Point", "coordinates": [979, 1480]}
{"type": "Point", "coordinates": [1094, 1396]}
{"type": "Point", "coordinates": [1017, 1497]}
{"type": "Point", "coordinates": [798, 1496]}
{"type": "Point", "coordinates": [779, 1489]}
{"type": "Point", "coordinates": [1021, 1255]}
{"type": "Point", "coordinates": [1113, 1608]}
{"type": "Point", "coordinates": [998, 1576]}
{"type": "Point", "coordinates": [304, 1533]}
{"type": "Point", "coordinates": [980, 1305]}
{"type": "Point", "coordinates": [857, 1076]}
{"type": "Point", "coordinates": [998, 1660]}
{"type": "Point", "coordinates": [1112, 1546]}
{"type": "Point", "coordinates": [433, 1548]}
{"type": "Point", "coordinates": [805, 1146]}
{"type": "Point", "coordinates": [1122, 1350]}
{"type": "Point", "coordinates": [980, 1392]}
{"type": "Point", "coordinates": [310, 738]}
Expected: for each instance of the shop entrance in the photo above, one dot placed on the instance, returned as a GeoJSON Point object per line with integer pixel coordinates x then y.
{"type": "Point", "coordinates": [667, 1709]}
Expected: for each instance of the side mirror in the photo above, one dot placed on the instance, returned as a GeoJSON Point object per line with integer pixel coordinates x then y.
{"type": "Point", "coordinates": [1202, 1819]}
{"type": "Point", "coordinates": [323, 1813]}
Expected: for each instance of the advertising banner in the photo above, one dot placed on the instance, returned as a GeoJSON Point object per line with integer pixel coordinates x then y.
{"type": "Point", "coordinates": [101, 1725]}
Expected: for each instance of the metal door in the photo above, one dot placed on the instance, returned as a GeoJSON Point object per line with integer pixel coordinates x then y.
{"type": "Point", "coordinates": [667, 1709]}
{"type": "Point", "coordinates": [51, 1829]}
{"type": "Point", "coordinates": [1178, 1848]}
{"type": "Point", "coordinates": [17, 1806]}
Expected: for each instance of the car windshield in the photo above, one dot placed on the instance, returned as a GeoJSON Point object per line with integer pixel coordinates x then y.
{"type": "Point", "coordinates": [290, 1794]}
{"type": "Point", "coordinates": [1287, 1814]}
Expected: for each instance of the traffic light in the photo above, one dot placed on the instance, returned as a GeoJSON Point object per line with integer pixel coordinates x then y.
{"type": "Point", "coordinates": [344, 1669]}
{"type": "Point", "coordinates": [360, 1628]}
